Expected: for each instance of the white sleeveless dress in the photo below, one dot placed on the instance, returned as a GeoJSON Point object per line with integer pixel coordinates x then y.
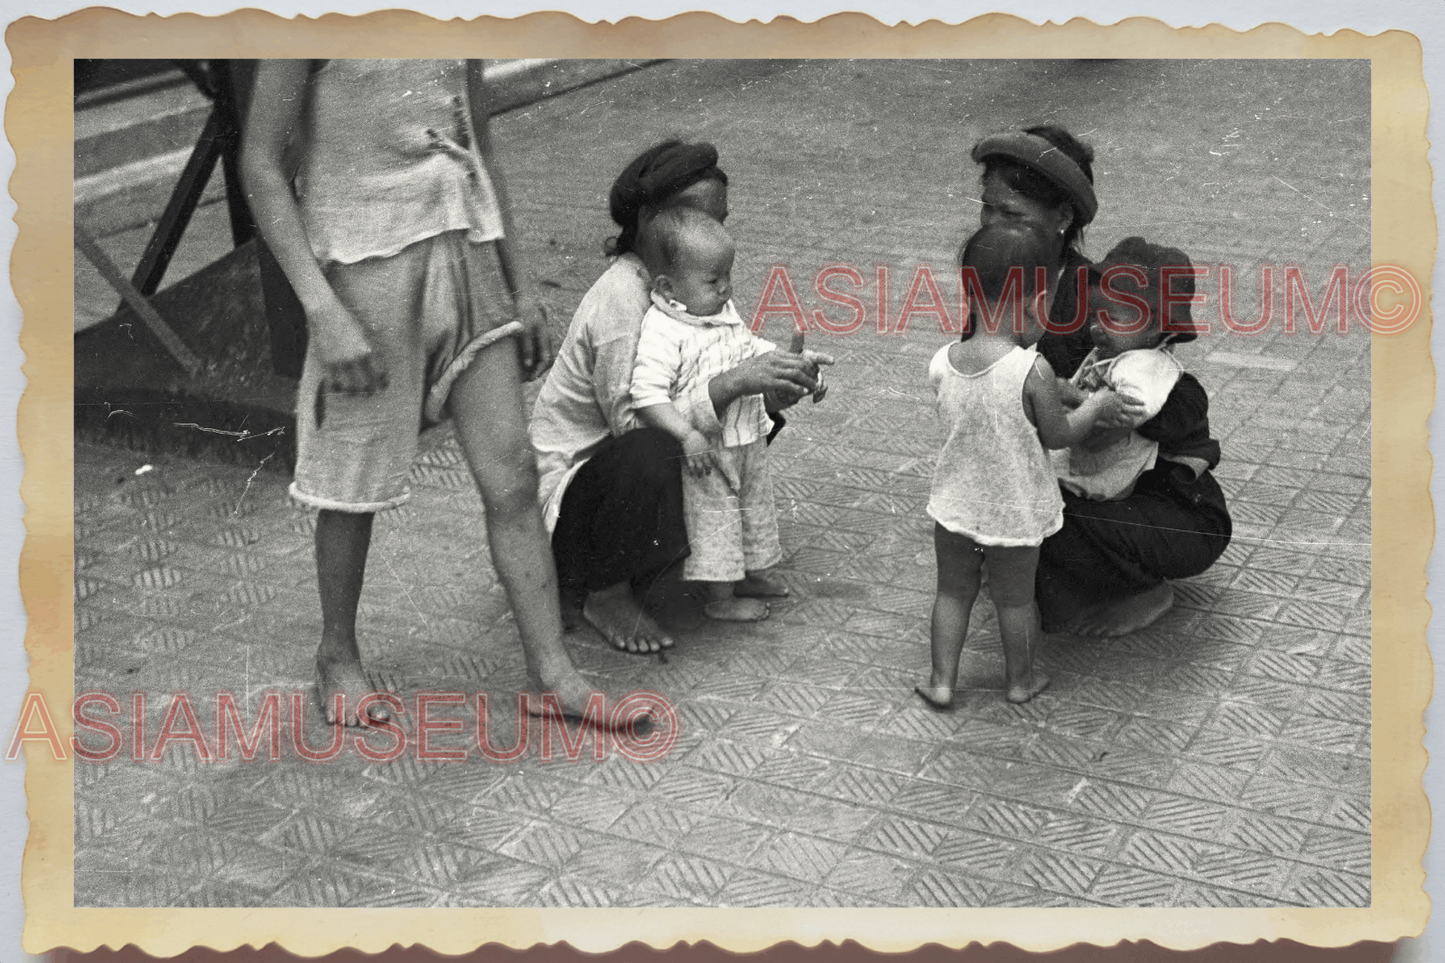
{"type": "Point", "coordinates": [993, 481]}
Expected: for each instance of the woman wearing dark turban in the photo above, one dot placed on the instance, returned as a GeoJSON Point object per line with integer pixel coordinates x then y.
{"type": "Point", "coordinates": [1107, 571]}
{"type": "Point", "coordinates": [611, 490]}
{"type": "Point", "coordinates": [1044, 176]}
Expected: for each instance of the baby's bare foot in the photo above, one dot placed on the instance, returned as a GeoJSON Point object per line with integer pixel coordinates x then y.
{"type": "Point", "coordinates": [737, 610]}
{"type": "Point", "coordinates": [1024, 691]}
{"type": "Point", "coordinates": [760, 585]}
{"type": "Point", "coordinates": [937, 696]}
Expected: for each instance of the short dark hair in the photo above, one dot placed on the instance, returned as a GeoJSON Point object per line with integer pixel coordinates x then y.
{"type": "Point", "coordinates": [670, 231]}
{"type": "Point", "coordinates": [994, 251]}
{"type": "Point", "coordinates": [1150, 258]}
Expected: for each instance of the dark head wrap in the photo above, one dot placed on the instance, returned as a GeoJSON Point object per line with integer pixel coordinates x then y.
{"type": "Point", "coordinates": [1150, 258]}
{"type": "Point", "coordinates": [1038, 154]}
{"type": "Point", "coordinates": [657, 174]}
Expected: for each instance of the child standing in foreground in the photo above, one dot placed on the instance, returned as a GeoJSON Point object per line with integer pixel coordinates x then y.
{"type": "Point", "coordinates": [994, 495]}
{"type": "Point", "coordinates": [396, 235]}
{"type": "Point", "coordinates": [691, 333]}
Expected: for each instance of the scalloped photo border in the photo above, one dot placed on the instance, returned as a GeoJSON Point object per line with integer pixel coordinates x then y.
{"type": "Point", "coordinates": [39, 125]}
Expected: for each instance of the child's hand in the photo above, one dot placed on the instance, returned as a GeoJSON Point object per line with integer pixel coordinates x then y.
{"type": "Point", "coordinates": [1105, 405]}
{"type": "Point", "coordinates": [1129, 412]}
{"type": "Point", "coordinates": [351, 365]}
{"type": "Point", "coordinates": [1071, 394]}
{"type": "Point", "coordinates": [698, 452]}
{"type": "Point", "coordinates": [535, 342]}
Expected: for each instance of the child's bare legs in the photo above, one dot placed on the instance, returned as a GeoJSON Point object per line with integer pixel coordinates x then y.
{"type": "Point", "coordinates": [486, 405]}
{"type": "Point", "coordinates": [726, 605]}
{"type": "Point", "coordinates": [342, 542]}
{"type": "Point", "coordinates": [959, 560]}
{"type": "Point", "coordinates": [1011, 585]}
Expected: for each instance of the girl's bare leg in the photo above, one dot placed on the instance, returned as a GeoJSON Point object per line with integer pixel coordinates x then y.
{"type": "Point", "coordinates": [1011, 585]}
{"type": "Point", "coordinates": [342, 542]}
{"type": "Point", "coordinates": [486, 405]}
{"type": "Point", "coordinates": [959, 560]}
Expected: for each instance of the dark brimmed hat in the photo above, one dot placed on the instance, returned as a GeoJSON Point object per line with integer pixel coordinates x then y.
{"type": "Point", "coordinates": [1150, 258]}
{"type": "Point", "coordinates": [1036, 153]}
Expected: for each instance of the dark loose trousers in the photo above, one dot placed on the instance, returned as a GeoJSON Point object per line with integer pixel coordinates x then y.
{"type": "Point", "coordinates": [1172, 526]}
{"type": "Point", "coordinates": [621, 516]}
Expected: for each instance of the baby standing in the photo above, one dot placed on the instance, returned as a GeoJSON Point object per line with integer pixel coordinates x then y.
{"type": "Point", "coordinates": [994, 497]}
{"type": "Point", "coordinates": [691, 333]}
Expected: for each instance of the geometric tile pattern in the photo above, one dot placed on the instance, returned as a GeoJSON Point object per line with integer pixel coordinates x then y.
{"type": "Point", "coordinates": [1218, 758]}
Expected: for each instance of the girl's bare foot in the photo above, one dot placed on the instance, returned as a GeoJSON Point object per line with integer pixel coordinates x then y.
{"type": "Point", "coordinates": [339, 670]}
{"type": "Point", "coordinates": [737, 610]}
{"type": "Point", "coordinates": [616, 614]}
{"type": "Point", "coordinates": [937, 696]}
{"type": "Point", "coordinates": [1024, 691]}
{"type": "Point", "coordinates": [1128, 615]}
{"type": "Point", "coordinates": [760, 585]}
{"type": "Point", "coordinates": [573, 700]}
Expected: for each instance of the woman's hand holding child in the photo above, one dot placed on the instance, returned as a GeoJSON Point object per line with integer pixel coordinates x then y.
{"type": "Point", "coordinates": [815, 358]}
{"type": "Point", "coordinates": [782, 378]}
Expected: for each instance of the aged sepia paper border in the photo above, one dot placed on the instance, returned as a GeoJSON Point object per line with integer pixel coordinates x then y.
{"type": "Point", "coordinates": [39, 125]}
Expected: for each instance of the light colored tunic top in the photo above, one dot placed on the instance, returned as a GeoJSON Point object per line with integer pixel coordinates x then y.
{"type": "Point", "coordinates": [588, 392]}
{"type": "Point", "coordinates": [678, 350]}
{"type": "Point", "coordinates": [392, 139]}
{"type": "Point", "coordinates": [992, 482]}
{"type": "Point", "coordinates": [1146, 374]}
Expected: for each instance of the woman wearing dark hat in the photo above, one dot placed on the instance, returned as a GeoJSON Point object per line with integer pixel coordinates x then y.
{"type": "Point", "coordinates": [1140, 504]}
{"type": "Point", "coordinates": [1044, 176]}
{"type": "Point", "coordinates": [1106, 571]}
{"type": "Point", "coordinates": [611, 490]}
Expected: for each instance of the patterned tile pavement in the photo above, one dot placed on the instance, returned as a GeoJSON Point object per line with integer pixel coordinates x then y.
{"type": "Point", "coordinates": [1219, 758]}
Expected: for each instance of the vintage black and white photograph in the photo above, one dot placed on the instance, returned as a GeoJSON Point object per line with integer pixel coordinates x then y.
{"type": "Point", "coordinates": [808, 483]}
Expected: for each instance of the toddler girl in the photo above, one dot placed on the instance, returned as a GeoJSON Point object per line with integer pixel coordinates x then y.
{"type": "Point", "coordinates": [994, 495]}
{"type": "Point", "coordinates": [691, 333]}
